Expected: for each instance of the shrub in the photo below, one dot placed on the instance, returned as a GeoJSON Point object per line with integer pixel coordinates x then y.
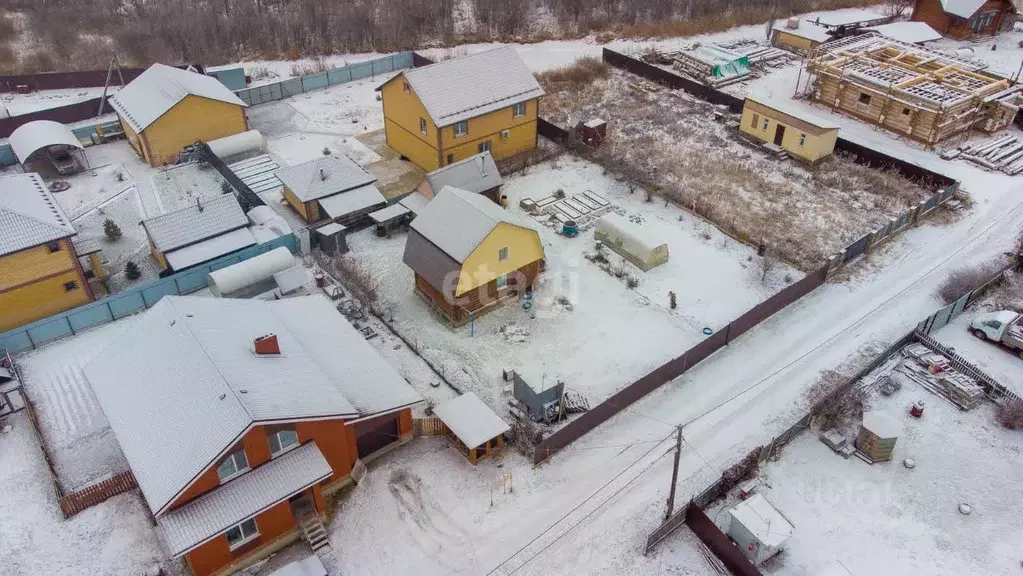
{"type": "Point", "coordinates": [1010, 414]}
{"type": "Point", "coordinates": [963, 280]}
{"type": "Point", "coordinates": [225, 187]}
{"type": "Point", "coordinates": [585, 70]}
{"type": "Point", "coordinates": [832, 404]}
{"type": "Point", "coordinates": [631, 281]}
{"type": "Point", "coordinates": [111, 230]}
{"type": "Point", "coordinates": [132, 271]}
{"type": "Point", "coordinates": [326, 151]}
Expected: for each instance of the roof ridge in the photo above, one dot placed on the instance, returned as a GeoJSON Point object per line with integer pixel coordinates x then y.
{"type": "Point", "coordinates": [53, 204]}
{"type": "Point", "coordinates": [170, 302]}
{"type": "Point", "coordinates": [190, 207]}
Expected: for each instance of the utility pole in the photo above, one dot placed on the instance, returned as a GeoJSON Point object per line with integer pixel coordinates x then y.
{"type": "Point", "coordinates": [674, 475]}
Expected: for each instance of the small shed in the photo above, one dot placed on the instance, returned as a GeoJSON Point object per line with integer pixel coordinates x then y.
{"type": "Point", "coordinates": [331, 239]}
{"type": "Point", "coordinates": [387, 219]}
{"type": "Point", "coordinates": [631, 241]}
{"type": "Point", "coordinates": [334, 187]}
{"type": "Point", "coordinates": [474, 428]}
{"type": "Point", "coordinates": [53, 141]}
{"type": "Point", "coordinates": [415, 202]}
{"type": "Point", "coordinates": [539, 393]}
{"type": "Point", "coordinates": [758, 528]}
{"type": "Point", "coordinates": [878, 435]}
{"type": "Point", "coordinates": [477, 174]}
{"type": "Point", "coordinates": [803, 135]}
{"type": "Point", "coordinates": [798, 36]}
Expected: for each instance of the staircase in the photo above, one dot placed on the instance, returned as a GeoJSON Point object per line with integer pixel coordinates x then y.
{"type": "Point", "coordinates": [314, 532]}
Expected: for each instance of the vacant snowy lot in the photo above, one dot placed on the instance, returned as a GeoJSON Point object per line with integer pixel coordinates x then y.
{"type": "Point", "coordinates": [886, 519]}
{"type": "Point", "coordinates": [670, 138]}
{"type": "Point", "coordinates": [178, 187]}
{"type": "Point", "coordinates": [587, 326]}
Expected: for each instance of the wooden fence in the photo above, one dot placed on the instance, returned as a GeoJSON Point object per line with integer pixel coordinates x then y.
{"type": "Point", "coordinates": [428, 427]}
{"type": "Point", "coordinates": [75, 502]}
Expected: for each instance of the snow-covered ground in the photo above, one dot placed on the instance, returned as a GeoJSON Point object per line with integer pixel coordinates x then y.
{"type": "Point", "coordinates": [998, 362]}
{"type": "Point", "coordinates": [886, 519]}
{"type": "Point", "coordinates": [610, 335]}
{"type": "Point", "coordinates": [178, 187]}
{"type": "Point", "coordinates": [1002, 53]}
{"type": "Point", "coordinates": [270, 71]}
{"type": "Point", "coordinates": [18, 104]}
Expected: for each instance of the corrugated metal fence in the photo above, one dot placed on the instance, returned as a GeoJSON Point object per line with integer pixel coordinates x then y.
{"type": "Point", "coordinates": [291, 87]}
{"type": "Point", "coordinates": [128, 302]}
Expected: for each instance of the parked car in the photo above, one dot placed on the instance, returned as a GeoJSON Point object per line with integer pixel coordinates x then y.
{"type": "Point", "coordinates": [64, 162]}
{"type": "Point", "coordinates": [1004, 326]}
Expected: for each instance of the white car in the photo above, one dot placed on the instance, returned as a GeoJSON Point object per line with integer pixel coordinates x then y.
{"type": "Point", "coordinates": [1003, 326]}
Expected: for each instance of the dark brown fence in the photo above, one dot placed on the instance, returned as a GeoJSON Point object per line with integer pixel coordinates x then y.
{"type": "Point", "coordinates": [729, 554]}
{"type": "Point", "coordinates": [80, 79]}
{"type": "Point", "coordinates": [418, 60]}
{"type": "Point", "coordinates": [881, 161]}
{"type": "Point", "coordinates": [551, 131]}
{"type": "Point", "coordinates": [671, 80]}
{"type": "Point", "coordinates": [64, 114]}
{"type": "Point", "coordinates": [71, 504]}
{"type": "Point", "coordinates": [676, 367]}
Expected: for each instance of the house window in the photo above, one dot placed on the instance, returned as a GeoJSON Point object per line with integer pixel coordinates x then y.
{"type": "Point", "coordinates": [406, 87]}
{"type": "Point", "coordinates": [764, 127]}
{"type": "Point", "coordinates": [241, 533]}
{"type": "Point", "coordinates": [502, 281]}
{"type": "Point", "coordinates": [53, 246]}
{"type": "Point", "coordinates": [282, 441]}
{"type": "Point", "coordinates": [232, 466]}
{"type": "Point", "coordinates": [864, 99]}
{"type": "Point", "coordinates": [802, 140]}
{"type": "Point", "coordinates": [484, 147]}
{"type": "Point", "coordinates": [519, 110]}
{"type": "Point", "coordinates": [451, 158]}
{"type": "Point", "coordinates": [756, 120]}
{"type": "Point", "coordinates": [461, 128]}
{"type": "Point", "coordinates": [906, 111]}
{"type": "Point", "coordinates": [69, 286]}
{"type": "Point", "coordinates": [422, 125]}
{"type": "Point", "coordinates": [502, 254]}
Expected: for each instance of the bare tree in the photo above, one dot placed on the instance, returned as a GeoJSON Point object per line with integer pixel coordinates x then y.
{"type": "Point", "coordinates": [768, 262]}
{"type": "Point", "coordinates": [896, 8]}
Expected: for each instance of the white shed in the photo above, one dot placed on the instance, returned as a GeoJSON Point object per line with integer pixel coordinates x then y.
{"type": "Point", "coordinates": [631, 241]}
{"type": "Point", "coordinates": [758, 528]}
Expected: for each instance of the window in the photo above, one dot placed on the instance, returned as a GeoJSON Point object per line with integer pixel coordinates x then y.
{"type": "Point", "coordinates": [502, 281]}
{"type": "Point", "coordinates": [756, 120]}
{"type": "Point", "coordinates": [993, 324]}
{"type": "Point", "coordinates": [422, 125]}
{"type": "Point", "coordinates": [406, 87]}
{"type": "Point", "coordinates": [461, 128]}
{"type": "Point", "coordinates": [232, 466]}
{"type": "Point", "coordinates": [502, 254]}
{"type": "Point", "coordinates": [53, 246]}
{"type": "Point", "coordinates": [484, 147]}
{"type": "Point", "coordinates": [282, 441]}
{"type": "Point", "coordinates": [451, 158]}
{"type": "Point", "coordinates": [241, 533]}
{"type": "Point", "coordinates": [519, 110]}
{"type": "Point", "coordinates": [70, 286]}
{"type": "Point", "coordinates": [906, 111]}
{"type": "Point", "coordinates": [802, 140]}
{"type": "Point", "coordinates": [864, 99]}
{"type": "Point", "coordinates": [764, 127]}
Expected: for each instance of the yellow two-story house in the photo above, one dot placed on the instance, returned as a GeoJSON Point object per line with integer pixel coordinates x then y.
{"type": "Point", "coordinates": [166, 109]}
{"type": "Point", "coordinates": [445, 112]}
{"type": "Point", "coordinates": [40, 274]}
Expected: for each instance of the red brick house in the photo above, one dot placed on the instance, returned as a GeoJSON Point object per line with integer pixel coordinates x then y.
{"type": "Point", "coordinates": [964, 18]}
{"type": "Point", "coordinates": [237, 416]}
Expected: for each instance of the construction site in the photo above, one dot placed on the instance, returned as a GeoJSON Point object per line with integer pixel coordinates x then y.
{"type": "Point", "coordinates": [917, 92]}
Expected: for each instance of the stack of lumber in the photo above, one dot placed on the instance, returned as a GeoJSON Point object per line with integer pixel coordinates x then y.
{"type": "Point", "coordinates": [1004, 153]}
{"type": "Point", "coordinates": [935, 373]}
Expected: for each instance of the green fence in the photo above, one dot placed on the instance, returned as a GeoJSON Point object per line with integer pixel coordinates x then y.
{"type": "Point", "coordinates": [130, 301]}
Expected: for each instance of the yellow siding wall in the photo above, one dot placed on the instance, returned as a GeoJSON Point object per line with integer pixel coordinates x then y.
{"type": "Point", "coordinates": [782, 38]}
{"type": "Point", "coordinates": [483, 266]}
{"type": "Point", "coordinates": [32, 284]}
{"type": "Point", "coordinates": [309, 211]}
{"type": "Point", "coordinates": [522, 137]}
{"type": "Point", "coordinates": [194, 118]}
{"type": "Point", "coordinates": [401, 125]}
{"type": "Point", "coordinates": [133, 138]}
{"type": "Point", "coordinates": [814, 148]}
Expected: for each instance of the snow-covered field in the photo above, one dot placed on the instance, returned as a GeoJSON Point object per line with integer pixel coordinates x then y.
{"type": "Point", "coordinates": [178, 187]}
{"type": "Point", "coordinates": [609, 335]}
{"type": "Point", "coordinates": [18, 104]}
{"type": "Point", "coordinates": [886, 519]}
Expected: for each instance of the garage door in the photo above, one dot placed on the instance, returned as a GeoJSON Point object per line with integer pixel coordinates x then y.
{"type": "Point", "coordinates": [374, 434]}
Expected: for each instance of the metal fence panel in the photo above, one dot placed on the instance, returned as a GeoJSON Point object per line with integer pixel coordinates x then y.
{"type": "Point", "coordinates": [49, 330]}
{"type": "Point", "coordinates": [7, 157]}
{"type": "Point", "coordinates": [314, 81]}
{"type": "Point", "coordinates": [339, 76]}
{"type": "Point", "coordinates": [152, 293]}
{"type": "Point", "coordinates": [126, 303]}
{"type": "Point", "coordinates": [856, 248]}
{"type": "Point", "coordinates": [192, 280]}
{"type": "Point", "coordinates": [88, 316]}
{"type": "Point", "coordinates": [361, 70]}
{"type": "Point", "coordinates": [291, 87]}
{"type": "Point", "coordinates": [16, 341]}
{"type": "Point", "coordinates": [931, 203]}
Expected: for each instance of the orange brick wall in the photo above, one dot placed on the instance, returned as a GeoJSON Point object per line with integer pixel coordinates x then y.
{"type": "Point", "coordinates": [335, 440]}
{"type": "Point", "coordinates": [216, 554]}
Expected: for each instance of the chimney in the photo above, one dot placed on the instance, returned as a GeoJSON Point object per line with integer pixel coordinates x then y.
{"type": "Point", "coordinates": [323, 175]}
{"type": "Point", "coordinates": [198, 202]}
{"type": "Point", "coordinates": [266, 345]}
{"type": "Point", "coordinates": [483, 166]}
{"type": "Point", "coordinates": [792, 24]}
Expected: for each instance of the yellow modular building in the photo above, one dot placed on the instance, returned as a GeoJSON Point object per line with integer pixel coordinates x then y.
{"type": "Point", "coordinates": [446, 112]}
{"type": "Point", "coordinates": [802, 135]}
{"type": "Point", "coordinates": [470, 255]}
{"type": "Point", "coordinates": [166, 109]}
{"type": "Point", "coordinates": [799, 36]}
{"type": "Point", "coordinates": [39, 270]}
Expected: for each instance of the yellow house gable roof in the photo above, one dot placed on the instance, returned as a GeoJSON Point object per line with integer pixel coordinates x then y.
{"type": "Point", "coordinates": [473, 85]}
{"type": "Point", "coordinates": [29, 214]}
{"type": "Point", "coordinates": [160, 88]}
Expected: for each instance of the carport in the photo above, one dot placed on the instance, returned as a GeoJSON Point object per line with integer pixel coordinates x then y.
{"type": "Point", "coordinates": [51, 140]}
